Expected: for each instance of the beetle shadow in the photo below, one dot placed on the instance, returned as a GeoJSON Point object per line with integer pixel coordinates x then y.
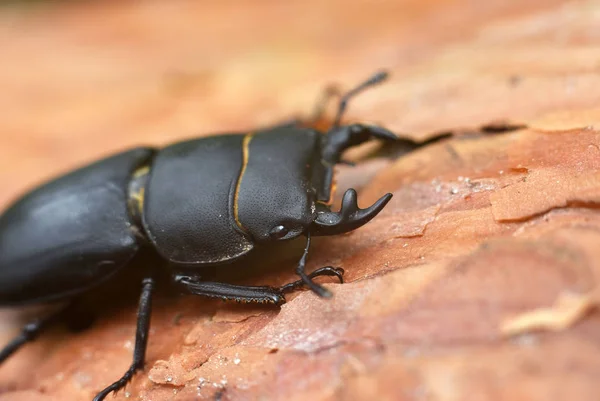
{"type": "Point", "coordinates": [266, 265]}
{"type": "Point", "coordinates": [271, 264]}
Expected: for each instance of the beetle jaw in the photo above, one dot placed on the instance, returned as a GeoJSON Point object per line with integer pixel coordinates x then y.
{"type": "Point", "coordinates": [349, 218]}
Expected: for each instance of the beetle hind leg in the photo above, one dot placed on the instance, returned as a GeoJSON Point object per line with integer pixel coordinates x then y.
{"type": "Point", "coordinates": [31, 331]}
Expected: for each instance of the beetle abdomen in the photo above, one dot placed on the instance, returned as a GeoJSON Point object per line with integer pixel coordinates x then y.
{"type": "Point", "coordinates": [188, 203]}
{"type": "Point", "coordinates": [69, 234]}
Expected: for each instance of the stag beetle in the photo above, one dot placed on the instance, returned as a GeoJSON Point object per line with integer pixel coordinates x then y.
{"type": "Point", "coordinates": [205, 201]}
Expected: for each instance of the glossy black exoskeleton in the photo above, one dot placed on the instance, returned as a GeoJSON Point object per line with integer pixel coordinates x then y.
{"type": "Point", "coordinates": [205, 201]}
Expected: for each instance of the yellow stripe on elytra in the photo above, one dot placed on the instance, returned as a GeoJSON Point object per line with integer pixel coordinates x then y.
{"type": "Point", "coordinates": [141, 171]}
{"type": "Point", "coordinates": [245, 156]}
{"type": "Point", "coordinates": [138, 197]}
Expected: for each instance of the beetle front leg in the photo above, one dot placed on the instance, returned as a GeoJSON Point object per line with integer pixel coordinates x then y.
{"type": "Point", "coordinates": [254, 294]}
{"type": "Point", "coordinates": [141, 339]}
{"type": "Point", "coordinates": [323, 271]}
{"type": "Point", "coordinates": [231, 292]}
{"type": "Point", "coordinates": [341, 138]}
{"type": "Point", "coordinates": [306, 279]}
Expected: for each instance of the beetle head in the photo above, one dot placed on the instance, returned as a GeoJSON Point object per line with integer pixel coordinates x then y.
{"type": "Point", "coordinates": [279, 213]}
{"type": "Point", "coordinates": [295, 217]}
{"type": "Point", "coordinates": [290, 172]}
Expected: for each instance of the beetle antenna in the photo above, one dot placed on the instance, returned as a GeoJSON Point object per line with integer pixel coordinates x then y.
{"type": "Point", "coordinates": [373, 80]}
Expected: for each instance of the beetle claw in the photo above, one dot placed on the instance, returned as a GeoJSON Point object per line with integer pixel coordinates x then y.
{"type": "Point", "coordinates": [323, 271]}
{"type": "Point", "coordinates": [350, 217]}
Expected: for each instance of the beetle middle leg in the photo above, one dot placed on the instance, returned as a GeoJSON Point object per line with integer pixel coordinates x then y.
{"type": "Point", "coordinates": [141, 339]}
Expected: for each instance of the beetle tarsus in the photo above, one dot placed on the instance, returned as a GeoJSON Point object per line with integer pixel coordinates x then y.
{"type": "Point", "coordinates": [323, 271]}
{"type": "Point", "coordinates": [141, 340]}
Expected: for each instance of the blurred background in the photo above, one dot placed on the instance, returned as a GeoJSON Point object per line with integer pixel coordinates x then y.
{"type": "Point", "coordinates": [82, 79]}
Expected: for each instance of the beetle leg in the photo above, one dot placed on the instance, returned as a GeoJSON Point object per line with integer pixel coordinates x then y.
{"type": "Point", "coordinates": [31, 331]}
{"type": "Point", "coordinates": [141, 339]}
{"type": "Point", "coordinates": [306, 279]}
{"type": "Point", "coordinates": [341, 138]}
{"type": "Point", "coordinates": [323, 271]}
{"type": "Point", "coordinates": [231, 292]}
{"type": "Point", "coordinates": [246, 293]}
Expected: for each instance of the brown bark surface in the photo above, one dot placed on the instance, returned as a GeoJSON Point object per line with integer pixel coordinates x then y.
{"type": "Point", "coordinates": [479, 281]}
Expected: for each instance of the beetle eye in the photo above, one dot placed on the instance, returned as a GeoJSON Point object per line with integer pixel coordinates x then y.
{"type": "Point", "coordinates": [278, 232]}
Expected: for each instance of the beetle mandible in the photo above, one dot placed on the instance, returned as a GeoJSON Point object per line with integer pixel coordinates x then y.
{"type": "Point", "coordinates": [204, 201]}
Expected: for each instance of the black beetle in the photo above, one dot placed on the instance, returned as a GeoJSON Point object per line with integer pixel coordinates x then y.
{"type": "Point", "coordinates": [200, 202]}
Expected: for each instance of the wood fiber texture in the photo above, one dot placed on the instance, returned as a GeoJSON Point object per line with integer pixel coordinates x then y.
{"type": "Point", "coordinates": [479, 281]}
